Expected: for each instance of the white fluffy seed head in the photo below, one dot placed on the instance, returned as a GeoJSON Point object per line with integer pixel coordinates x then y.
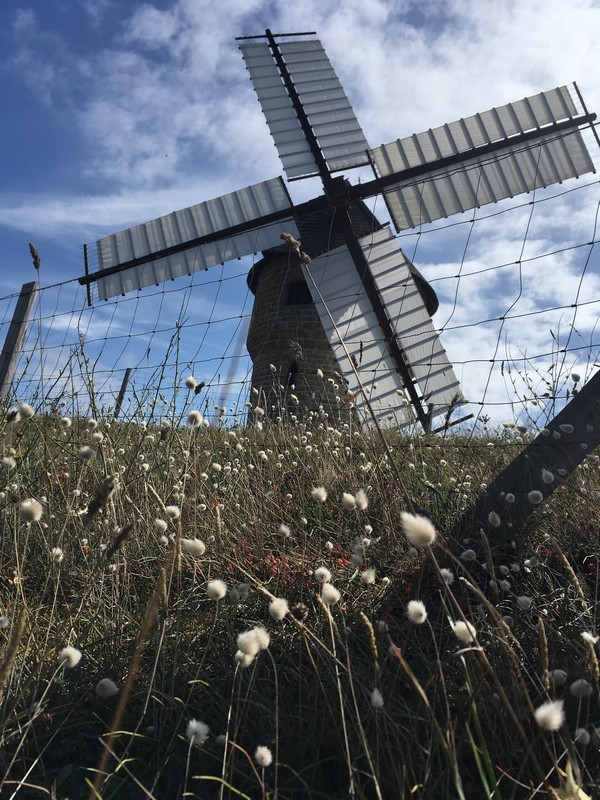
{"type": "Point", "coordinates": [580, 688]}
{"type": "Point", "coordinates": [329, 594]}
{"type": "Point", "coordinates": [348, 501]}
{"type": "Point", "coordinates": [31, 510]}
{"type": "Point", "coordinates": [418, 530]}
{"type": "Point", "coordinates": [494, 519]}
{"type": "Point", "coordinates": [191, 382]}
{"type": "Point", "coordinates": [69, 657]}
{"type": "Point", "coordinates": [197, 732]}
{"type": "Point", "coordinates": [524, 603]}
{"type": "Point", "coordinates": [106, 688]}
{"type": "Point", "coordinates": [194, 547]}
{"type": "Point", "coordinates": [322, 575]}
{"type": "Point", "coordinates": [464, 631]}
{"type": "Point", "coordinates": [376, 699]}
{"type": "Point", "coordinates": [195, 419]}
{"type": "Point", "coordinates": [263, 756]}
{"type": "Point", "coordinates": [216, 589]}
{"type": "Point", "coordinates": [172, 512]}
{"type": "Point", "coordinates": [26, 411]}
{"type": "Point", "coordinates": [86, 453]}
{"type": "Point", "coordinates": [361, 500]}
{"type": "Point", "coordinates": [416, 612]}
{"type": "Point", "coordinates": [160, 525]}
{"type": "Point", "coordinates": [57, 555]}
{"type": "Point", "coordinates": [278, 608]}
{"type": "Point", "coordinates": [368, 576]}
{"type": "Point", "coordinates": [535, 497]}
{"type": "Point", "coordinates": [319, 493]}
{"type": "Point", "coordinates": [550, 715]}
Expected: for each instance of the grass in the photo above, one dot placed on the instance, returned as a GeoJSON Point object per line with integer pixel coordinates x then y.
{"type": "Point", "coordinates": [450, 717]}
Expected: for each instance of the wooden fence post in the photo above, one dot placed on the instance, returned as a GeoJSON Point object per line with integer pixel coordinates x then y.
{"type": "Point", "coordinates": [122, 391]}
{"type": "Point", "coordinates": [538, 470]}
{"type": "Point", "coordinates": [15, 338]}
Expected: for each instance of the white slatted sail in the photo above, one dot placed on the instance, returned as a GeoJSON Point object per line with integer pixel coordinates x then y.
{"type": "Point", "coordinates": [331, 116]}
{"type": "Point", "coordinates": [192, 223]}
{"type": "Point", "coordinates": [346, 314]}
{"type": "Point", "coordinates": [544, 160]}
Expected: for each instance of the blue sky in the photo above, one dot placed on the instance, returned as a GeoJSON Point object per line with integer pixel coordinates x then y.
{"type": "Point", "coordinates": [116, 112]}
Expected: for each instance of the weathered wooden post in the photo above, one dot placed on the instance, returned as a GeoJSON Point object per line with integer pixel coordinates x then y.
{"type": "Point", "coordinates": [122, 391]}
{"type": "Point", "coordinates": [15, 338]}
{"type": "Point", "coordinates": [538, 470]}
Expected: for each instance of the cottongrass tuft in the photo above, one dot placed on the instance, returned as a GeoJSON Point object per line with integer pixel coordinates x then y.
{"type": "Point", "coordinates": [106, 688]}
{"type": "Point", "coordinates": [558, 677]}
{"type": "Point", "coordinates": [284, 530]}
{"type": "Point", "coordinates": [8, 462]}
{"type": "Point", "coordinates": [191, 382]}
{"type": "Point", "coordinates": [524, 603]}
{"type": "Point", "coordinates": [535, 497]}
{"type": "Point", "coordinates": [194, 547]}
{"type": "Point", "coordinates": [278, 608]}
{"type": "Point", "coordinates": [197, 732]}
{"type": "Point", "coordinates": [329, 594]}
{"type": "Point", "coordinates": [368, 576]}
{"type": "Point", "coordinates": [547, 476]}
{"type": "Point", "coordinates": [550, 715]}
{"type": "Point", "coordinates": [319, 493]}
{"type": "Point", "coordinates": [376, 699]}
{"type": "Point", "coordinates": [86, 453]}
{"type": "Point", "coordinates": [26, 411]}
{"type": "Point", "coordinates": [31, 510]}
{"type": "Point", "coordinates": [589, 637]}
{"type": "Point", "coordinates": [216, 589]}
{"type": "Point", "coordinates": [494, 519]}
{"type": "Point", "coordinates": [160, 525]}
{"type": "Point", "coordinates": [348, 501]}
{"type": "Point", "coordinates": [464, 631]}
{"type": "Point", "coordinates": [416, 612]}
{"type": "Point", "coordinates": [580, 688]}
{"type": "Point", "coordinates": [582, 737]}
{"type": "Point", "coordinates": [418, 530]}
{"type": "Point", "coordinates": [361, 500]}
{"type": "Point", "coordinates": [322, 575]}
{"type": "Point", "coordinates": [263, 756]}
{"type": "Point", "coordinates": [195, 419]}
{"type": "Point", "coordinates": [69, 657]}
{"type": "Point", "coordinates": [57, 555]}
{"type": "Point", "coordinates": [172, 512]}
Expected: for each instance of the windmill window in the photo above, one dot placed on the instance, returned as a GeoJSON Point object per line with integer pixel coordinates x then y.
{"type": "Point", "coordinates": [298, 294]}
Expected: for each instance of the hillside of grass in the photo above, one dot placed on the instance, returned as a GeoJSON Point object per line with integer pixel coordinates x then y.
{"type": "Point", "coordinates": [288, 611]}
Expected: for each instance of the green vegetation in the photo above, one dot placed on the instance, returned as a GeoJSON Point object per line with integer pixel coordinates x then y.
{"type": "Point", "coordinates": [486, 685]}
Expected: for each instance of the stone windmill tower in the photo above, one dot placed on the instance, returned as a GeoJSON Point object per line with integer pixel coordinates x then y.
{"type": "Point", "coordinates": [373, 309]}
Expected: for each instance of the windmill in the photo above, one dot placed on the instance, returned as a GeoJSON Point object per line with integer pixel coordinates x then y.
{"type": "Point", "coordinates": [372, 306]}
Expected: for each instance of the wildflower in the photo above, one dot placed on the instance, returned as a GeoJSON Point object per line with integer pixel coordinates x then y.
{"type": "Point", "coordinates": [558, 677]}
{"type": "Point", "coordinates": [535, 497]}
{"type": "Point", "coordinates": [547, 476]}
{"type": "Point", "coordinates": [86, 453]}
{"type": "Point", "coordinates": [8, 462]}
{"type": "Point", "coordinates": [160, 525]}
{"type": "Point", "coordinates": [418, 530]}
{"type": "Point", "coordinates": [253, 641]}
{"type": "Point", "coordinates": [550, 715]}
{"type": "Point", "coordinates": [319, 493]}
{"type": "Point", "coordinates": [368, 576]}
{"type": "Point", "coordinates": [416, 612]}
{"type": "Point", "coordinates": [26, 411]}
{"type": "Point", "coordinates": [263, 756]}
{"type": "Point", "coordinates": [191, 382]}
{"type": "Point", "coordinates": [243, 659]}
{"type": "Point", "coordinates": [376, 699]}
{"type": "Point", "coordinates": [329, 546]}
{"type": "Point", "coordinates": [329, 594]}
{"type": "Point", "coordinates": [194, 547]}
{"type": "Point", "coordinates": [69, 657]}
{"type": "Point", "coordinates": [57, 555]}
{"type": "Point", "coordinates": [216, 589]}
{"type": "Point", "coordinates": [30, 510]}
{"type": "Point", "coordinates": [65, 422]}
{"type": "Point", "coordinates": [464, 631]}
{"type": "Point", "coordinates": [278, 608]}
{"type": "Point", "coordinates": [494, 519]}
{"type": "Point", "coordinates": [361, 501]}
{"type": "Point", "coordinates": [106, 688]}
{"type": "Point", "coordinates": [582, 737]}
{"type": "Point", "coordinates": [322, 575]}
{"type": "Point", "coordinates": [195, 419]}
{"type": "Point", "coordinates": [447, 576]}
{"type": "Point", "coordinates": [348, 501]}
{"type": "Point", "coordinates": [580, 688]}
{"type": "Point", "coordinates": [284, 530]}
{"type": "Point", "coordinates": [197, 732]}
{"type": "Point", "coordinates": [91, 424]}
{"type": "Point", "coordinates": [98, 437]}
{"type": "Point", "coordinates": [524, 603]}
{"type": "Point", "coordinates": [172, 512]}
{"type": "Point", "coordinates": [589, 637]}
{"type": "Point", "coordinates": [468, 555]}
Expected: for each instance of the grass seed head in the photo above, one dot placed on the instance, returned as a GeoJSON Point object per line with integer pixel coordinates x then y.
{"type": "Point", "coordinates": [278, 608]}
{"type": "Point", "coordinates": [216, 589]}
{"type": "Point", "coordinates": [31, 510]}
{"type": "Point", "coordinates": [69, 657]}
{"type": "Point", "coordinates": [329, 594]}
{"type": "Point", "coordinates": [193, 547]}
{"type": "Point", "coordinates": [197, 732]}
{"type": "Point", "coordinates": [106, 688]}
{"type": "Point", "coordinates": [550, 715]}
{"type": "Point", "coordinates": [464, 631]}
{"type": "Point", "coordinates": [416, 612]}
{"type": "Point", "coordinates": [419, 530]}
{"type": "Point", "coordinates": [263, 756]}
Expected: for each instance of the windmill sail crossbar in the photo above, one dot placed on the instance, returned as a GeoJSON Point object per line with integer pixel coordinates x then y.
{"type": "Point", "coordinates": [347, 315]}
{"type": "Point", "coordinates": [325, 103]}
{"type": "Point", "coordinates": [542, 160]}
{"type": "Point", "coordinates": [176, 229]}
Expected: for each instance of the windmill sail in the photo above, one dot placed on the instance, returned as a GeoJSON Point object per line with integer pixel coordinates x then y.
{"type": "Point", "coordinates": [329, 112]}
{"type": "Point", "coordinates": [542, 160]}
{"type": "Point", "coordinates": [143, 243]}
{"type": "Point", "coordinates": [351, 326]}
